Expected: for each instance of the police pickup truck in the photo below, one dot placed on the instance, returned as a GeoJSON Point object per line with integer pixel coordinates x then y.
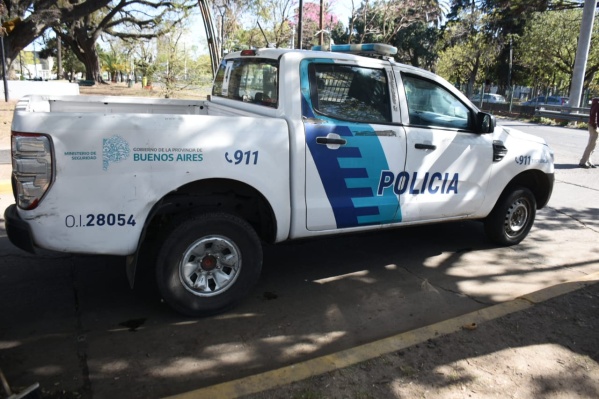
{"type": "Point", "coordinates": [290, 144]}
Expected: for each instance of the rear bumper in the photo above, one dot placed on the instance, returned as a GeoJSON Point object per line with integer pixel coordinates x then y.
{"type": "Point", "coordinates": [18, 231]}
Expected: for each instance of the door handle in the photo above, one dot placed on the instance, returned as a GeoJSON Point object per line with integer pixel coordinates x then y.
{"type": "Point", "coordinates": [328, 140]}
{"type": "Point", "coordinates": [421, 146]}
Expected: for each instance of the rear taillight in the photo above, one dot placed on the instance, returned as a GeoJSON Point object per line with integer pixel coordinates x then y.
{"type": "Point", "coordinates": [31, 168]}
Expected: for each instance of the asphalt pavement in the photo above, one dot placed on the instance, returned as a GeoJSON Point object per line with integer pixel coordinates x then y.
{"type": "Point", "coordinates": [563, 316]}
{"type": "Point", "coordinates": [559, 326]}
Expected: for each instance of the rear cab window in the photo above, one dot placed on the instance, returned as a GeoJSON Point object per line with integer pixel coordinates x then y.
{"type": "Point", "coordinates": [251, 80]}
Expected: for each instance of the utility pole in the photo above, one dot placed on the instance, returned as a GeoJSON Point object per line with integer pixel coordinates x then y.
{"type": "Point", "coordinates": [582, 52]}
{"type": "Point", "coordinates": [59, 57]}
{"type": "Point", "coordinates": [4, 69]}
{"type": "Point", "coordinates": [300, 27]}
{"type": "Point", "coordinates": [321, 25]}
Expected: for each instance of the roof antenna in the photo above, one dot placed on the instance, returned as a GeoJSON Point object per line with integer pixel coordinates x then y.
{"type": "Point", "coordinates": [263, 34]}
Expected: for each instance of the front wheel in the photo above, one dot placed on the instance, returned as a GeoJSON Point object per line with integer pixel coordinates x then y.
{"type": "Point", "coordinates": [207, 263]}
{"type": "Point", "coordinates": [512, 218]}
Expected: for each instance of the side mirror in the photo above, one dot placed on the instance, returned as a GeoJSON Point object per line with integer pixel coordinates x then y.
{"type": "Point", "coordinates": [485, 123]}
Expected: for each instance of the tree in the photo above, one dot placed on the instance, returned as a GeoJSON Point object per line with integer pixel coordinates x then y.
{"type": "Point", "coordinates": [173, 64]}
{"type": "Point", "coordinates": [504, 20]}
{"type": "Point", "coordinates": [417, 45]}
{"type": "Point", "coordinates": [71, 65]}
{"type": "Point", "coordinates": [33, 17]}
{"type": "Point", "coordinates": [381, 20]}
{"type": "Point", "coordinates": [145, 61]}
{"type": "Point", "coordinates": [469, 52]}
{"type": "Point", "coordinates": [81, 22]}
{"type": "Point", "coordinates": [548, 48]}
{"type": "Point", "coordinates": [311, 22]}
{"type": "Point", "coordinates": [124, 19]}
{"type": "Point", "coordinates": [229, 15]}
{"type": "Point", "coordinates": [276, 16]}
{"type": "Point", "coordinates": [114, 60]}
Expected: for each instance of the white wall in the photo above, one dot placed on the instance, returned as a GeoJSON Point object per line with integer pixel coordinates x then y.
{"type": "Point", "coordinates": [20, 88]}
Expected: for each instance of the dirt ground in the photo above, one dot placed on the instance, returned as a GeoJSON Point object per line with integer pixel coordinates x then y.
{"type": "Point", "coordinates": [122, 89]}
{"type": "Point", "coordinates": [549, 351]}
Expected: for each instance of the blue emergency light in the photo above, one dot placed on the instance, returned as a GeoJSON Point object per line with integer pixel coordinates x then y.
{"type": "Point", "coordinates": [365, 48]}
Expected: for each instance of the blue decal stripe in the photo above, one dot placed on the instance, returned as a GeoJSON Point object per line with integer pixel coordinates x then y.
{"type": "Point", "coordinates": [367, 211]}
{"type": "Point", "coordinates": [354, 173]}
{"type": "Point", "coordinates": [364, 192]}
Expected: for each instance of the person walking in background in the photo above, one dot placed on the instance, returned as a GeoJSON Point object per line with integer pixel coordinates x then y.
{"type": "Point", "coordinates": [585, 161]}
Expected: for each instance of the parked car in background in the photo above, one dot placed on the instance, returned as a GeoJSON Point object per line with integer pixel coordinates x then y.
{"type": "Point", "coordinates": [549, 100]}
{"type": "Point", "coordinates": [488, 98]}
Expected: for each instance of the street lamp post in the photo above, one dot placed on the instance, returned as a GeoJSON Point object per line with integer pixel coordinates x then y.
{"type": "Point", "coordinates": [222, 11]}
{"type": "Point", "coordinates": [582, 52]}
{"type": "Point", "coordinates": [4, 69]}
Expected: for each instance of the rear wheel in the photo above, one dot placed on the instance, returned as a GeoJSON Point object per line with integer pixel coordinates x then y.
{"type": "Point", "coordinates": [207, 263]}
{"type": "Point", "coordinates": [512, 218]}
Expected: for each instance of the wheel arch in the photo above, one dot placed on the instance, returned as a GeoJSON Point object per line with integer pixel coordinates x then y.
{"type": "Point", "coordinates": [539, 182]}
{"type": "Point", "coordinates": [210, 195]}
{"type": "Point", "coordinates": [223, 195]}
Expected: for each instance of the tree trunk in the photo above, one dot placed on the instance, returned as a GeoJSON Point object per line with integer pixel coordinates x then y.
{"type": "Point", "coordinates": [33, 25]}
{"type": "Point", "coordinates": [18, 39]}
{"type": "Point", "coordinates": [472, 77]}
{"type": "Point", "coordinates": [91, 60]}
{"type": "Point", "coordinates": [84, 48]}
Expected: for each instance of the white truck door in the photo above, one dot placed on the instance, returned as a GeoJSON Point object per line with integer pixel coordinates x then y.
{"type": "Point", "coordinates": [348, 114]}
{"type": "Point", "coordinates": [448, 164]}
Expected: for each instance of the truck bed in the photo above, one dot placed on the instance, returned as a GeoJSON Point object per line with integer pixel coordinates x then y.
{"type": "Point", "coordinates": [110, 105]}
{"type": "Point", "coordinates": [55, 104]}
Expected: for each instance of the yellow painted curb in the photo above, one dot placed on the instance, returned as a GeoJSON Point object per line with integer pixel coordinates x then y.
{"type": "Point", "coordinates": [324, 364]}
{"type": "Point", "coordinates": [5, 186]}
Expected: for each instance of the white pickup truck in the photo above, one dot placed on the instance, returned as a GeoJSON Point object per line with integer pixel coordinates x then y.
{"type": "Point", "coordinates": [291, 144]}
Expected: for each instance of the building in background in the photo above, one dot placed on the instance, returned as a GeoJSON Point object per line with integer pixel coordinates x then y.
{"type": "Point", "coordinates": [28, 66]}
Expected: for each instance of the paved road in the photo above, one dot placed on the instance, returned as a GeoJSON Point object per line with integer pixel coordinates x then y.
{"type": "Point", "coordinates": [71, 322]}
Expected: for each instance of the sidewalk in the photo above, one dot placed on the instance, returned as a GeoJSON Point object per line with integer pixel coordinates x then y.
{"type": "Point", "coordinates": [5, 171]}
{"type": "Point", "coordinates": [541, 345]}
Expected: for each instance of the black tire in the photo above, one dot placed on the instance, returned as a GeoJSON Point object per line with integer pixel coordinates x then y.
{"type": "Point", "coordinates": [223, 255]}
{"type": "Point", "coordinates": [512, 218]}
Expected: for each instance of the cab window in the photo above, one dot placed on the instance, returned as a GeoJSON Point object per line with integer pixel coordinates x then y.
{"type": "Point", "coordinates": [350, 93]}
{"type": "Point", "coordinates": [248, 80]}
{"type": "Point", "coordinates": [430, 104]}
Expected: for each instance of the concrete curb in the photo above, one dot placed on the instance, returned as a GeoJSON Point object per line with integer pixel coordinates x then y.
{"type": "Point", "coordinates": [310, 368]}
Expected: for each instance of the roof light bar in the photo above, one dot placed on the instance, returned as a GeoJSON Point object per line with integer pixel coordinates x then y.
{"type": "Point", "coordinates": [366, 48]}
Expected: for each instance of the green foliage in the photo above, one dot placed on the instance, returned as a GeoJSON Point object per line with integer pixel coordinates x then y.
{"type": "Point", "coordinates": [380, 21]}
{"type": "Point", "coordinates": [275, 17]}
{"type": "Point", "coordinates": [176, 70]}
{"type": "Point", "coordinates": [114, 61]}
{"type": "Point", "coordinates": [469, 51]}
{"type": "Point", "coordinates": [554, 122]}
{"type": "Point", "coordinates": [70, 64]}
{"type": "Point", "coordinates": [471, 48]}
{"type": "Point", "coordinates": [417, 45]}
{"type": "Point", "coordinates": [547, 49]}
